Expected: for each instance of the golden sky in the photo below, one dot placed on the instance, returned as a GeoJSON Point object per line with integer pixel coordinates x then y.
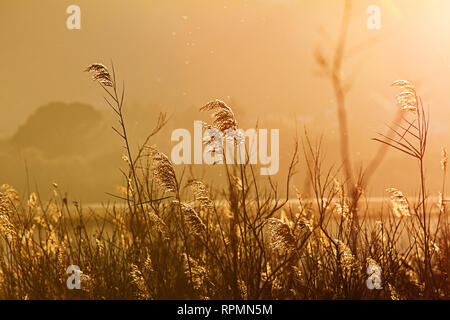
{"type": "Point", "coordinates": [257, 53]}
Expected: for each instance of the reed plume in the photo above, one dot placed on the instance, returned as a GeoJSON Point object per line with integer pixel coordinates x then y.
{"type": "Point", "coordinates": [100, 74]}
{"type": "Point", "coordinates": [200, 193]}
{"type": "Point", "coordinates": [399, 203]}
{"type": "Point", "coordinates": [407, 98]}
{"type": "Point", "coordinates": [346, 257]}
{"type": "Point", "coordinates": [444, 158]}
{"type": "Point", "coordinates": [195, 270]}
{"type": "Point", "coordinates": [281, 235]}
{"type": "Point", "coordinates": [342, 204]}
{"type": "Point", "coordinates": [193, 221]}
{"type": "Point", "coordinates": [163, 170]}
{"type": "Point", "coordinates": [159, 224]}
{"type": "Point", "coordinates": [223, 116]}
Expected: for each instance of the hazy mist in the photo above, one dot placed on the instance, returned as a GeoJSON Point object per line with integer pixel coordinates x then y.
{"type": "Point", "coordinates": [176, 55]}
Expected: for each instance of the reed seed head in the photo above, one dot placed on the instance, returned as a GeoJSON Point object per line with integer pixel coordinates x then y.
{"type": "Point", "coordinates": [32, 201]}
{"type": "Point", "coordinates": [163, 170]}
{"type": "Point", "coordinates": [193, 221]}
{"type": "Point", "coordinates": [281, 235]}
{"type": "Point", "coordinates": [223, 116]}
{"type": "Point", "coordinates": [100, 74]}
{"type": "Point", "coordinates": [444, 158]}
{"type": "Point", "coordinates": [159, 224]}
{"type": "Point", "coordinates": [347, 259]}
{"type": "Point", "coordinates": [407, 98]}
{"type": "Point", "coordinates": [200, 193]}
{"type": "Point", "coordinates": [399, 202]}
{"type": "Point", "coordinates": [194, 270]}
